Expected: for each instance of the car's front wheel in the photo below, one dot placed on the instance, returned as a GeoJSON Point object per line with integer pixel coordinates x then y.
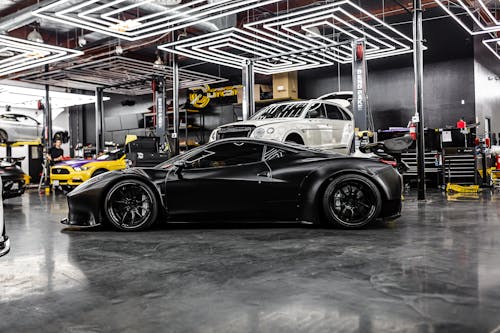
{"type": "Point", "coordinates": [351, 201]}
{"type": "Point", "coordinates": [131, 205]}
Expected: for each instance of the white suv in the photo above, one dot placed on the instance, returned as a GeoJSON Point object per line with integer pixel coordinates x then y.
{"type": "Point", "coordinates": [318, 123]}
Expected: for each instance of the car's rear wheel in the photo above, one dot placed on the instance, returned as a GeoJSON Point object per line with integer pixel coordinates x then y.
{"type": "Point", "coordinates": [131, 205]}
{"type": "Point", "coordinates": [351, 201]}
{"type": "Point", "coordinates": [3, 136]}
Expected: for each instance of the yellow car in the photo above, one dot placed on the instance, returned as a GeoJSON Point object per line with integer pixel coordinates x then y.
{"type": "Point", "coordinates": [74, 172]}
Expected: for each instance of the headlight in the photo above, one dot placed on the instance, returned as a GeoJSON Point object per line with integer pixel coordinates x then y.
{"type": "Point", "coordinates": [78, 169]}
{"type": "Point", "coordinates": [270, 130]}
{"type": "Point", "coordinates": [259, 133]}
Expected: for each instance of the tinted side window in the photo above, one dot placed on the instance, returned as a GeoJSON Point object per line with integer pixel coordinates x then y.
{"type": "Point", "coordinates": [227, 154]}
{"type": "Point", "coordinates": [273, 153]}
{"type": "Point", "coordinates": [316, 111]}
{"type": "Point", "coordinates": [333, 112]}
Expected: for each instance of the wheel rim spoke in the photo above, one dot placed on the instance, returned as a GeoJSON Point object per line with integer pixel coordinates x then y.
{"type": "Point", "coordinates": [130, 205]}
{"type": "Point", "coordinates": [352, 202]}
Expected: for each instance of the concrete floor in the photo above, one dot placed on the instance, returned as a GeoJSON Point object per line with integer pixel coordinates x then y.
{"type": "Point", "coordinates": [436, 270]}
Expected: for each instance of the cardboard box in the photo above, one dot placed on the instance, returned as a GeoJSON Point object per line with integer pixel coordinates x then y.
{"type": "Point", "coordinates": [257, 90]}
{"type": "Point", "coordinates": [285, 85]}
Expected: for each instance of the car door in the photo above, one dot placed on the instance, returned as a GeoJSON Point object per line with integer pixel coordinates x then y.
{"type": "Point", "coordinates": [224, 180]}
{"type": "Point", "coordinates": [316, 130]}
{"type": "Point", "coordinates": [28, 127]}
{"type": "Point", "coordinates": [341, 127]}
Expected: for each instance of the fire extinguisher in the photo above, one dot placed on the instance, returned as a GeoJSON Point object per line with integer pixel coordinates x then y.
{"type": "Point", "coordinates": [497, 159]}
{"type": "Point", "coordinates": [413, 131]}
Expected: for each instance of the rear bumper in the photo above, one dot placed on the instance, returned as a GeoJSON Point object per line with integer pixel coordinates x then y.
{"type": "Point", "coordinates": [4, 245]}
{"type": "Point", "coordinates": [391, 209]}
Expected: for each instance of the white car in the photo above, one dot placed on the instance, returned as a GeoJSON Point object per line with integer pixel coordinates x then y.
{"type": "Point", "coordinates": [18, 127]}
{"type": "Point", "coordinates": [319, 123]}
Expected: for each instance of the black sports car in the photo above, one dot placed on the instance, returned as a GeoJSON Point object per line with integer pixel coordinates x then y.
{"type": "Point", "coordinates": [245, 179]}
{"type": "Point", "coordinates": [13, 177]}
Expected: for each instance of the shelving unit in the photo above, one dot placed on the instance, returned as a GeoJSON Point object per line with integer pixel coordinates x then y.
{"type": "Point", "coordinates": [193, 134]}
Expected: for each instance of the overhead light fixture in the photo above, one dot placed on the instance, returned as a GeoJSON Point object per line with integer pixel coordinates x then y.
{"type": "Point", "coordinates": [27, 54]}
{"type": "Point", "coordinates": [481, 15]}
{"type": "Point", "coordinates": [35, 36]}
{"type": "Point", "coordinates": [273, 44]}
{"type": "Point", "coordinates": [118, 75]}
{"type": "Point", "coordinates": [108, 16]}
{"type": "Point", "coordinates": [158, 62]}
{"type": "Point", "coordinates": [118, 50]}
{"type": "Point", "coordinates": [493, 45]}
{"type": "Point", "coordinates": [82, 41]}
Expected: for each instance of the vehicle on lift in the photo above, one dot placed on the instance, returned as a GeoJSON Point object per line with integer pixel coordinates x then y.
{"type": "Point", "coordinates": [320, 123]}
{"type": "Point", "coordinates": [18, 127]}
{"type": "Point", "coordinates": [4, 239]}
{"type": "Point", "coordinates": [71, 173]}
{"type": "Point", "coordinates": [13, 177]}
{"type": "Point", "coordinates": [242, 178]}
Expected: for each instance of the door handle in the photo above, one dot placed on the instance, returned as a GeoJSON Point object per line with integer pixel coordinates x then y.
{"type": "Point", "coordinates": [266, 174]}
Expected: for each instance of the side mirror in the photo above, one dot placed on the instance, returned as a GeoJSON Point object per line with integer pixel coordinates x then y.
{"type": "Point", "coordinates": [180, 165]}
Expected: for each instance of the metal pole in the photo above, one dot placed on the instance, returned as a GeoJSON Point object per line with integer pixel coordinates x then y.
{"type": "Point", "coordinates": [98, 120]}
{"type": "Point", "coordinates": [248, 90]}
{"type": "Point", "coordinates": [48, 117]}
{"type": "Point", "coordinates": [418, 62]}
{"type": "Point", "coordinates": [175, 102]}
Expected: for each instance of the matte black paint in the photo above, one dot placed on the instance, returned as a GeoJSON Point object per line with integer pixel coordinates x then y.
{"type": "Point", "coordinates": [288, 188]}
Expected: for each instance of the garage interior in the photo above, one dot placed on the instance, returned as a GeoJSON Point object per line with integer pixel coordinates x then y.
{"type": "Point", "coordinates": [127, 84]}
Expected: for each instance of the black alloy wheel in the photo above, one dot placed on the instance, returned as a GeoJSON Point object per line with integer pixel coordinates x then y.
{"type": "Point", "coordinates": [131, 205]}
{"type": "Point", "coordinates": [351, 201]}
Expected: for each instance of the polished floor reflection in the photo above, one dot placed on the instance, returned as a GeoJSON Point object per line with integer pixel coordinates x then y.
{"type": "Point", "coordinates": [437, 269]}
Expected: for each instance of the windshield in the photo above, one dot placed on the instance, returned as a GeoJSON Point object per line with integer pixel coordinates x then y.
{"type": "Point", "coordinates": [111, 156]}
{"type": "Point", "coordinates": [289, 110]}
{"type": "Point", "coordinates": [168, 163]}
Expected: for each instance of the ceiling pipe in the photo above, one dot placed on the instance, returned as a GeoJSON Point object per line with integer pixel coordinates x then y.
{"type": "Point", "coordinates": [20, 18]}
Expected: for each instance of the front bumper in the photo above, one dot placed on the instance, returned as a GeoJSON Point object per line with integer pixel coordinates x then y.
{"type": "Point", "coordinates": [71, 179]}
{"type": "Point", "coordinates": [81, 213]}
{"type": "Point", "coordinates": [4, 245]}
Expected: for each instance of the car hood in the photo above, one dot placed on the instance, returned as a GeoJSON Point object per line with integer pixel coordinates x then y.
{"type": "Point", "coordinates": [76, 163]}
{"type": "Point", "coordinates": [262, 122]}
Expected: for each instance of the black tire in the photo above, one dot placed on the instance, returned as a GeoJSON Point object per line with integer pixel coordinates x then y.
{"type": "Point", "coordinates": [127, 198]}
{"type": "Point", "coordinates": [3, 136]}
{"type": "Point", "coordinates": [98, 172]}
{"type": "Point", "coordinates": [351, 201]}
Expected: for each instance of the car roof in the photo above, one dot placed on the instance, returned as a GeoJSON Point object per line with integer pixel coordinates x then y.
{"type": "Point", "coordinates": [290, 145]}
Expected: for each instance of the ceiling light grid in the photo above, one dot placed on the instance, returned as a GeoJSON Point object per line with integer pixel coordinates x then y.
{"type": "Point", "coordinates": [484, 17]}
{"type": "Point", "coordinates": [134, 20]}
{"type": "Point", "coordinates": [493, 45]}
{"type": "Point", "coordinates": [275, 44]}
{"type": "Point", "coordinates": [119, 75]}
{"type": "Point", "coordinates": [342, 20]}
{"type": "Point", "coordinates": [233, 46]}
{"type": "Point", "coordinates": [18, 54]}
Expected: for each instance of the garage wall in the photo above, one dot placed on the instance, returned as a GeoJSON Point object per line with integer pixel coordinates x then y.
{"type": "Point", "coordinates": [487, 87]}
{"type": "Point", "coordinates": [391, 91]}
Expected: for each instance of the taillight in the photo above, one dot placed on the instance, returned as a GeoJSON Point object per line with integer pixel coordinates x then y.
{"type": "Point", "coordinates": [391, 163]}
